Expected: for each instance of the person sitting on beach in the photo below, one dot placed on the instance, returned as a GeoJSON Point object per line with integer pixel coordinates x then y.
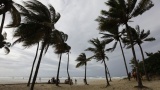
{"type": "Point", "coordinates": [53, 80]}
{"type": "Point", "coordinates": [71, 83]}
{"type": "Point", "coordinates": [49, 82]}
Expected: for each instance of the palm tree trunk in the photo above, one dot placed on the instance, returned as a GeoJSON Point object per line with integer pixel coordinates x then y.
{"type": "Point", "coordinates": [67, 70]}
{"type": "Point", "coordinates": [134, 55]}
{"type": "Point", "coordinates": [124, 60]}
{"type": "Point", "coordinates": [57, 81]}
{"type": "Point", "coordinates": [2, 23]}
{"type": "Point", "coordinates": [106, 73]}
{"type": "Point", "coordinates": [143, 62]}
{"type": "Point", "coordinates": [38, 64]}
{"type": "Point", "coordinates": [85, 80]}
{"type": "Point", "coordinates": [33, 66]}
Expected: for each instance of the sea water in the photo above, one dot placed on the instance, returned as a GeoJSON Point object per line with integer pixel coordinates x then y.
{"type": "Point", "coordinates": [17, 80]}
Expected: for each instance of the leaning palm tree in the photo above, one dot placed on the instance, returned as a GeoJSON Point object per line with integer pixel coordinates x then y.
{"type": "Point", "coordinates": [68, 64]}
{"type": "Point", "coordinates": [60, 49]}
{"type": "Point", "coordinates": [115, 35]}
{"type": "Point", "coordinates": [140, 37]}
{"type": "Point", "coordinates": [37, 26]}
{"type": "Point", "coordinates": [82, 60]}
{"type": "Point", "coordinates": [99, 52]}
{"type": "Point", "coordinates": [120, 13]}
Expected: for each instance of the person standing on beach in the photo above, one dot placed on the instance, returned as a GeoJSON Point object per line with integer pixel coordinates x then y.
{"type": "Point", "coordinates": [39, 79]}
{"type": "Point", "coordinates": [129, 75]}
{"type": "Point", "coordinates": [75, 81]}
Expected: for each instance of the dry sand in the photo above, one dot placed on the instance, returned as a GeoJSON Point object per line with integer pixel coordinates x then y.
{"type": "Point", "coordinates": [93, 85]}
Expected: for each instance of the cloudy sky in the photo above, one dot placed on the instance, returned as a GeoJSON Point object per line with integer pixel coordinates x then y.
{"type": "Point", "coordinates": [78, 21]}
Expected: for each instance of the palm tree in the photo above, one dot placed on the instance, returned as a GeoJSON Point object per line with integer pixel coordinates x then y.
{"type": "Point", "coordinates": [120, 13]}
{"type": "Point", "coordinates": [99, 52]}
{"type": "Point", "coordinates": [140, 37]}
{"type": "Point", "coordinates": [68, 64]}
{"type": "Point", "coordinates": [82, 60]}
{"type": "Point", "coordinates": [37, 26]}
{"type": "Point", "coordinates": [5, 6]}
{"type": "Point", "coordinates": [116, 36]}
{"type": "Point", "coordinates": [60, 49]}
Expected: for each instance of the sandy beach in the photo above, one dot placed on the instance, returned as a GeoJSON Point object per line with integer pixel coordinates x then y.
{"type": "Point", "coordinates": [119, 84]}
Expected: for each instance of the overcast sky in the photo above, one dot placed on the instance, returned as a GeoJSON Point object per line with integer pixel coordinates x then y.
{"type": "Point", "coordinates": [78, 21]}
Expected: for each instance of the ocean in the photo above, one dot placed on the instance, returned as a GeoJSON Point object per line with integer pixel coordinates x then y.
{"type": "Point", "coordinates": [17, 80]}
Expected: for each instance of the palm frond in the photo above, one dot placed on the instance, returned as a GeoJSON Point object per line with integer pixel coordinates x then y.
{"type": "Point", "coordinates": [106, 41]}
{"type": "Point", "coordinates": [106, 57]}
{"type": "Point", "coordinates": [107, 24]}
{"type": "Point", "coordinates": [104, 12]}
{"type": "Point", "coordinates": [142, 6]}
{"type": "Point", "coordinates": [130, 5]}
{"type": "Point", "coordinates": [109, 49]}
{"type": "Point", "coordinates": [105, 35]}
{"type": "Point", "coordinates": [39, 9]}
{"type": "Point", "coordinates": [58, 15]}
{"type": "Point", "coordinates": [149, 54]}
{"type": "Point", "coordinates": [144, 35]}
{"type": "Point", "coordinates": [150, 39]}
{"type": "Point", "coordinates": [114, 45]}
{"type": "Point", "coordinates": [16, 18]}
{"type": "Point", "coordinates": [91, 49]}
{"type": "Point", "coordinates": [7, 50]}
{"type": "Point", "coordinates": [80, 64]}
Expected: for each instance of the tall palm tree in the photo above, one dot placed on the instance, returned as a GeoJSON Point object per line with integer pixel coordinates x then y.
{"type": "Point", "coordinates": [120, 13]}
{"type": "Point", "coordinates": [115, 35]}
{"type": "Point", "coordinates": [68, 64]}
{"type": "Point", "coordinates": [37, 26]}
{"type": "Point", "coordinates": [99, 52]}
{"type": "Point", "coordinates": [82, 60]}
{"type": "Point", "coordinates": [60, 49]}
{"type": "Point", "coordinates": [140, 37]}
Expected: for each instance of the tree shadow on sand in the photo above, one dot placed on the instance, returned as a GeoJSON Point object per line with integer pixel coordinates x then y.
{"type": "Point", "coordinates": [142, 88]}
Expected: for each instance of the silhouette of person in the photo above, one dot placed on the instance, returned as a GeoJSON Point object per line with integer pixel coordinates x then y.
{"type": "Point", "coordinates": [75, 81]}
{"type": "Point", "coordinates": [129, 75]}
{"type": "Point", "coordinates": [49, 82]}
